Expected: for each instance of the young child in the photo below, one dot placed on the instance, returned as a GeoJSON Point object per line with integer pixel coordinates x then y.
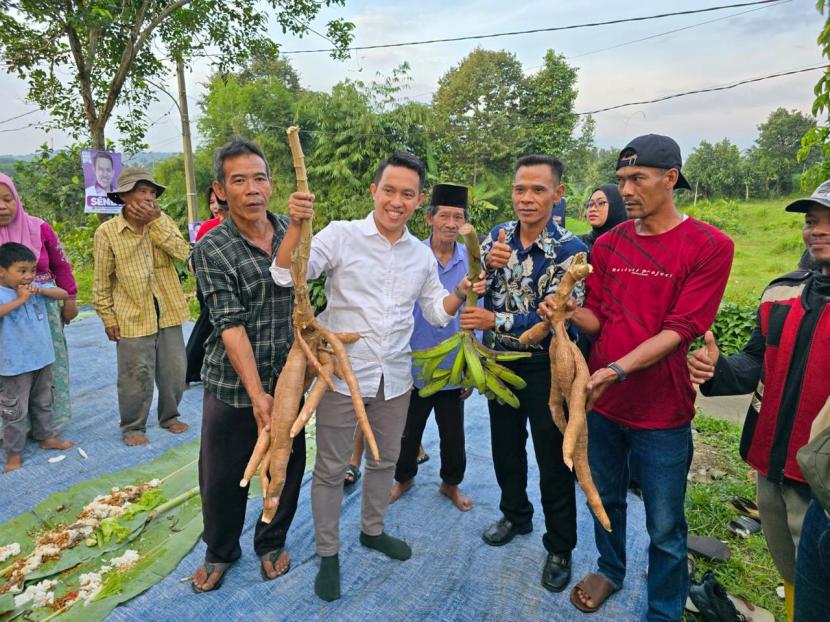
{"type": "Point", "coordinates": [26, 355]}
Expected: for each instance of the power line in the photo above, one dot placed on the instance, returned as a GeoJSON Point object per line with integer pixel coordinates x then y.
{"type": "Point", "coordinates": [536, 30]}
{"type": "Point", "coordinates": [673, 31]}
{"type": "Point", "coordinates": [25, 114]}
{"type": "Point", "coordinates": [632, 42]}
{"type": "Point", "coordinates": [22, 127]}
{"type": "Point", "coordinates": [707, 90]}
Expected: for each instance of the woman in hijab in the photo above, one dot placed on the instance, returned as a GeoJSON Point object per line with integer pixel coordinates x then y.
{"type": "Point", "coordinates": [52, 267]}
{"type": "Point", "coordinates": [604, 210]}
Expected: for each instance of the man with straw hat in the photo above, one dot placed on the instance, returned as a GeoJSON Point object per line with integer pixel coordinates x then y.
{"type": "Point", "coordinates": [137, 294]}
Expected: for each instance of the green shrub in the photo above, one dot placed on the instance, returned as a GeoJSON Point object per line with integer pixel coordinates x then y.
{"type": "Point", "coordinates": [77, 240]}
{"type": "Point", "coordinates": [723, 214]}
{"type": "Point", "coordinates": [732, 328]}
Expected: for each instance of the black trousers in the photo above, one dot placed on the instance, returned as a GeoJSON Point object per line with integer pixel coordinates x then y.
{"type": "Point", "coordinates": [228, 438]}
{"type": "Point", "coordinates": [449, 415]}
{"type": "Point", "coordinates": [195, 348]}
{"type": "Point", "coordinates": [508, 433]}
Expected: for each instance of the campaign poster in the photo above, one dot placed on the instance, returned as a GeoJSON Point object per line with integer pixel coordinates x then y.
{"type": "Point", "coordinates": [101, 170]}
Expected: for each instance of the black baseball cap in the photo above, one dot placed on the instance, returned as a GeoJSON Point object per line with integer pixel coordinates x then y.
{"type": "Point", "coordinates": [821, 195]}
{"type": "Point", "coordinates": [655, 151]}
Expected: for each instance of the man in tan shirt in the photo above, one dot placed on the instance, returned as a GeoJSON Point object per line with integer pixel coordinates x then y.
{"type": "Point", "coordinates": [137, 294]}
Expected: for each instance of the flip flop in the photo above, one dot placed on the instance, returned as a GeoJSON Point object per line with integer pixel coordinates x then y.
{"type": "Point", "coordinates": [596, 587]}
{"type": "Point", "coordinates": [210, 568]}
{"type": "Point", "coordinates": [747, 507]}
{"type": "Point", "coordinates": [710, 548]}
{"type": "Point", "coordinates": [711, 600]}
{"type": "Point", "coordinates": [750, 612]}
{"type": "Point", "coordinates": [272, 556]}
{"type": "Point", "coordinates": [743, 526]}
{"type": "Point", "coordinates": [423, 458]}
{"type": "Point", "coordinates": [352, 475]}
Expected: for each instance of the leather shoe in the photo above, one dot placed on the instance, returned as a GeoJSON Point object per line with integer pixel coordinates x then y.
{"type": "Point", "coordinates": [503, 531]}
{"type": "Point", "coordinates": [557, 572]}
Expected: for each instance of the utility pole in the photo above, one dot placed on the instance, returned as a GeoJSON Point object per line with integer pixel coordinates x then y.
{"type": "Point", "coordinates": [189, 171]}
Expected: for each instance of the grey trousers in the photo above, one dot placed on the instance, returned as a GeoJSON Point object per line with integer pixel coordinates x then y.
{"type": "Point", "coordinates": [336, 426]}
{"type": "Point", "coordinates": [24, 397]}
{"type": "Point", "coordinates": [782, 508]}
{"type": "Point", "coordinates": [140, 361]}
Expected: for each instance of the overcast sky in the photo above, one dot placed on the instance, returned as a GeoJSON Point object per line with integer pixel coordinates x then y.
{"type": "Point", "coordinates": [741, 43]}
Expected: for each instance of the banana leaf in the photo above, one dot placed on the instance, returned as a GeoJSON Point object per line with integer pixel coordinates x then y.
{"type": "Point", "coordinates": [161, 542]}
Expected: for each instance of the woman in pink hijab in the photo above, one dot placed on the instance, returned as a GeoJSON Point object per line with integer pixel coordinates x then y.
{"type": "Point", "coordinates": [52, 266]}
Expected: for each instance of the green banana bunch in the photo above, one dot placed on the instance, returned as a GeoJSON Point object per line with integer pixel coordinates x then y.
{"type": "Point", "coordinates": [474, 366]}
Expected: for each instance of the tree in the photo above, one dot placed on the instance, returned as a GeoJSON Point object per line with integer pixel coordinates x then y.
{"type": "Point", "coordinates": [356, 127]}
{"type": "Point", "coordinates": [816, 141]}
{"type": "Point", "coordinates": [548, 108]}
{"type": "Point", "coordinates": [50, 185]}
{"type": "Point", "coordinates": [110, 51]}
{"type": "Point", "coordinates": [775, 151]}
{"type": "Point", "coordinates": [476, 108]}
{"type": "Point", "coordinates": [715, 170]}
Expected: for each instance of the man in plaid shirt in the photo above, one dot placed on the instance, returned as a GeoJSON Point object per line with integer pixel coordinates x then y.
{"type": "Point", "coordinates": [244, 354]}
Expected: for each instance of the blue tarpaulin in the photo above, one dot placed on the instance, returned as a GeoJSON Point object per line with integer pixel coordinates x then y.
{"type": "Point", "coordinates": [451, 576]}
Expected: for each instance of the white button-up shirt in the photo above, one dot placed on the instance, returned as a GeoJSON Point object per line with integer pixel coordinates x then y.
{"type": "Point", "coordinates": [371, 288]}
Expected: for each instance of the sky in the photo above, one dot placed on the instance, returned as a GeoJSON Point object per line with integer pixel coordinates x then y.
{"type": "Point", "coordinates": [705, 50]}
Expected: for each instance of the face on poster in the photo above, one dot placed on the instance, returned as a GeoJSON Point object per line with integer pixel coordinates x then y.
{"type": "Point", "coordinates": [101, 170]}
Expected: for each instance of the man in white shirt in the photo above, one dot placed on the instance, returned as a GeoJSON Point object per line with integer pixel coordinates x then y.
{"type": "Point", "coordinates": [375, 273]}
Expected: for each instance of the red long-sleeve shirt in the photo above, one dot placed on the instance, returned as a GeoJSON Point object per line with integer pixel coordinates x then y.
{"type": "Point", "coordinates": [641, 285]}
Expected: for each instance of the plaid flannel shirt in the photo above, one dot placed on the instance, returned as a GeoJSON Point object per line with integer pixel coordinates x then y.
{"type": "Point", "coordinates": [234, 277]}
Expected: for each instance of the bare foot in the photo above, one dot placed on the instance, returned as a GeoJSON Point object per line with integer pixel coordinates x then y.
{"type": "Point", "coordinates": [13, 462]}
{"type": "Point", "coordinates": [136, 439]}
{"type": "Point", "coordinates": [399, 488]}
{"type": "Point", "coordinates": [459, 499]}
{"type": "Point", "coordinates": [56, 443]}
{"type": "Point", "coordinates": [279, 567]}
{"type": "Point", "coordinates": [178, 427]}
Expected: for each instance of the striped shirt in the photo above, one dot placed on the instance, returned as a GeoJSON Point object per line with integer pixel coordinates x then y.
{"type": "Point", "coordinates": [133, 270]}
{"type": "Point", "coordinates": [234, 277]}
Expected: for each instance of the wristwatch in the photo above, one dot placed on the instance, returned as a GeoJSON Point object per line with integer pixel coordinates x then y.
{"type": "Point", "coordinates": [621, 375]}
{"type": "Point", "coordinates": [459, 295]}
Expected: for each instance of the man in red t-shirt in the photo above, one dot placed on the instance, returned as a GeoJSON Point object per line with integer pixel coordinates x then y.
{"type": "Point", "coordinates": [657, 281]}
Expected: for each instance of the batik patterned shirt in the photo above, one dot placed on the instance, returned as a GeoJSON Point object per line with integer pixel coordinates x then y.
{"type": "Point", "coordinates": [515, 291]}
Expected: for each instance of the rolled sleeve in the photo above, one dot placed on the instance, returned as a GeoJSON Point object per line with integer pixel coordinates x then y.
{"type": "Point", "coordinates": [431, 298]}
{"type": "Point", "coordinates": [281, 276]}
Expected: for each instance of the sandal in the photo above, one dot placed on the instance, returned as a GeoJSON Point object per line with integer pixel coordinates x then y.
{"type": "Point", "coordinates": [596, 587]}
{"type": "Point", "coordinates": [711, 600]}
{"type": "Point", "coordinates": [743, 526]}
{"type": "Point", "coordinates": [211, 568]}
{"type": "Point", "coordinates": [423, 458]}
{"type": "Point", "coordinates": [710, 548]}
{"type": "Point", "coordinates": [272, 556]}
{"type": "Point", "coordinates": [747, 507]}
{"type": "Point", "coordinates": [352, 475]}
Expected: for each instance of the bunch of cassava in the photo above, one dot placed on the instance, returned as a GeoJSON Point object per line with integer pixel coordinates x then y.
{"type": "Point", "coordinates": [315, 355]}
{"type": "Point", "coordinates": [474, 365]}
{"type": "Point", "coordinates": [569, 383]}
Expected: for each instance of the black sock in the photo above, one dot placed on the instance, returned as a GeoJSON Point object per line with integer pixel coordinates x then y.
{"type": "Point", "coordinates": [386, 544]}
{"type": "Point", "coordinates": [327, 583]}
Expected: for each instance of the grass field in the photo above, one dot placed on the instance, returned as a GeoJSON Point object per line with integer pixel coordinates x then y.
{"type": "Point", "coordinates": [750, 571]}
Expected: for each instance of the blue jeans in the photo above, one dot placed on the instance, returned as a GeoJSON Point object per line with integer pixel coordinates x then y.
{"type": "Point", "coordinates": [662, 459]}
{"type": "Point", "coordinates": [812, 567]}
